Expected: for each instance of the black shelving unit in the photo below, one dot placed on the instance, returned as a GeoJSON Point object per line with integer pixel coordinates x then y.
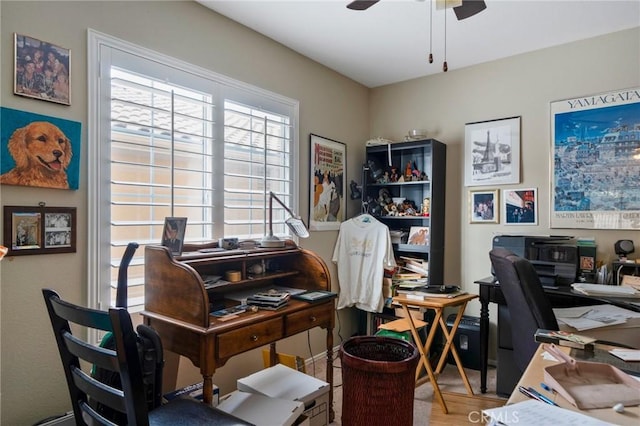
{"type": "Point", "coordinates": [429, 158]}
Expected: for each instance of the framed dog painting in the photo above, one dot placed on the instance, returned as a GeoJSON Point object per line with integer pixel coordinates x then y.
{"type": "Point", "coordinates": [38, 150]}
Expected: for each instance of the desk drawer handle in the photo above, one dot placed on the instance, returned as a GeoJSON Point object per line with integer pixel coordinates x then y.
{"type": "Point", "coordinates": [254, 338]}
{"type": "Point", "coordinates": [313, 319]}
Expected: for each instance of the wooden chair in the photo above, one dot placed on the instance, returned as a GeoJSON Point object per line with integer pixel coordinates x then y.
{"type": "Point", "coordinates": [86, 392]}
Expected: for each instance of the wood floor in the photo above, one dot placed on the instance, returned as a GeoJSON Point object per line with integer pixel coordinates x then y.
{"type": "Point", "coordinates": [463, 409]}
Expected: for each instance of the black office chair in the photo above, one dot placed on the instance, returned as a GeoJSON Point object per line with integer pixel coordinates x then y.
{"type": "Point", "coordinates": [86, 392]}
{"type": "Point", "coordinates": [528, 305]}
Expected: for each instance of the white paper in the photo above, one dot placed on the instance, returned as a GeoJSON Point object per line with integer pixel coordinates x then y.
{"type": "Point", "coordinates": [533, 412]}
{"type": "Point", "coordinates": [595, 316]}
{"type": "Point", "coordinates": [626, 354]}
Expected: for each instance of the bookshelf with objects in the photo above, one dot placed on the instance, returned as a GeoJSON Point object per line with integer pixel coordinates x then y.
{"type": "Point", "coordinates": [404, 188]}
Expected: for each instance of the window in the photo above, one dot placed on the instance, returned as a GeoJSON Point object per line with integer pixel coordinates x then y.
{"type": "Point", "coordinates": [171, 139]}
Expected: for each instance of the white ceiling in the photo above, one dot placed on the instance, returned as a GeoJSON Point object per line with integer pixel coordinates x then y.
{"type": "Point", "coordinates": [390, 41]}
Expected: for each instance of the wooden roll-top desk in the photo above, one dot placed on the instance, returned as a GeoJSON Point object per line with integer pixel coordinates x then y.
{"type": "Point", "coordinates": [178, 305]}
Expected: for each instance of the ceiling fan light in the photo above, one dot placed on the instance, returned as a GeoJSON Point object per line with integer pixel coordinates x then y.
{"type": "Point", "coordinates": [361, 4]}
{"type": "Point", "coordinates": [469, 8]}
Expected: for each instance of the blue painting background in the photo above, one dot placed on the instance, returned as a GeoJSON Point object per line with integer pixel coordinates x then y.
{"type": "Point", "coordinates": [12, 119]}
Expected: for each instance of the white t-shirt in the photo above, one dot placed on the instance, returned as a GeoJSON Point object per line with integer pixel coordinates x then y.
{"type": "Point", "coordinates": [362, 252]}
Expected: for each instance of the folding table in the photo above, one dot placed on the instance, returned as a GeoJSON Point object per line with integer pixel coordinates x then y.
{"type": "Point", "coordinates": [437, 304]}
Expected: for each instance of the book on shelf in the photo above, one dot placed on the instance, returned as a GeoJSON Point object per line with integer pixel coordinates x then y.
{"type": "Point", "coordinates": [417, 269]}
{"type": "Point", "coordinates": [563, 338]}
{"type": "Point", "coordinates": [422, 263]}
{"type": "Point", "coordinates": [406, 276]}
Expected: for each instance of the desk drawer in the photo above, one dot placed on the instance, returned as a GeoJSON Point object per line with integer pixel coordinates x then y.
{"type": "Point", "coordinates": [250, 337]}
{"type": "Point", "coordinates": [309, 318]}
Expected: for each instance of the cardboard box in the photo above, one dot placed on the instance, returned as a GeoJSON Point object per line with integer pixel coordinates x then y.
{"type": "Point", "coordinates": [283, 382]}
{"type": "Point", "coordinates": [258, 409]}
{"type": "Point", "coordinates": [194, 391]}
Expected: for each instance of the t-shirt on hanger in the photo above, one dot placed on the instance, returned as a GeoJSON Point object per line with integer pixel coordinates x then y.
{"type": "Point", "coordinates": [362, 252]}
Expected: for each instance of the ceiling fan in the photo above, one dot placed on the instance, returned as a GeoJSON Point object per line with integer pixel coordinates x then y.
{"type": "Point", "coordinates": [463, 8]}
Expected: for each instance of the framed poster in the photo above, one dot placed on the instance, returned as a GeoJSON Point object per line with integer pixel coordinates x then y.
{"type": "Point", "coordinates": [520, 206]}
{"type": "Point", "coordinates": [595, 147]}
{"type": "Point", "coordinates": [492, 152]}
{"type": "Point", "coordinates": [483, 206]}
{"type": "Point", "coordinates": [327, 205]}
{"type": "Point", "coordinates": [39, 230]}
{"type": "Point", "coordinates": [41, 70]}
{"type": "Point", "coordinates": [54, 162]}
{"type": "Point", "coordinates": [173, 234]}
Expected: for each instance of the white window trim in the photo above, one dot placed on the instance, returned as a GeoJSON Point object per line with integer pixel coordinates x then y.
{"type": "Point", "coordinates": [98, 250]}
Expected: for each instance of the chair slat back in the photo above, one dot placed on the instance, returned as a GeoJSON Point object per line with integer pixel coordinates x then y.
{"type": "Point", "coordinates": [85, 390]}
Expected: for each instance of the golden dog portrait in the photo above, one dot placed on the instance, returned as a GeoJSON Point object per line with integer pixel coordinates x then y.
{"type": "Point", "coordinates": [42, 153]}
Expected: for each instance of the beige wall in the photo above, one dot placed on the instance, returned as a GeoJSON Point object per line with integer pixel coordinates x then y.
{"type": "Point", "coordinates": [32, 382]}
{"type": "Point", "coordinates": [523, 86]}
{"type": "Point", "coordinates": [330, 105]}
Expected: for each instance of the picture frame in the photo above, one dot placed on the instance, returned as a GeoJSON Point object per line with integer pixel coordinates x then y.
{"type": "Point", "coordinates": [59, 170]}
{"type": "Point", "coordinates": [418, 235]}
{"type": "Point", "coordinates": [173, 234]}
{"type": "Point", "coordinates": [327, 183]}
{"type": "Point", "coordinates": [594, 149]}
{"type": "Point", "coordinates": [484, 206]}
{"type": "Point", "coordinates": [492, 152]}
{"type": "Point", "coordinates": [520, 206]}
{"type": "Point", "coordinates": [39, 230]}
{"type": "Point", "coordinates": [41, 70]}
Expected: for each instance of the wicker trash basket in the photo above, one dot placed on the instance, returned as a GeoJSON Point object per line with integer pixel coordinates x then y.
{"type": "Point", "coordinates": [378, 381]}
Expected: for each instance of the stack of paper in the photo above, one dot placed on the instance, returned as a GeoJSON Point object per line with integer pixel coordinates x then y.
{"type": "Point", "coordinates": [605, 290]}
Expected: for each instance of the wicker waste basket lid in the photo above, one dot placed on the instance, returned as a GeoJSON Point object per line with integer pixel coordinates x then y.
{"type": "Point", "coordinates": [379, 354]}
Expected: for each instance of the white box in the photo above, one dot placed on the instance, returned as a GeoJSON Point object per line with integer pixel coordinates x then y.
{"type": "Point", "coordinates": [283, 382]}
{"type": "Point", "coordinates": [262, 410]}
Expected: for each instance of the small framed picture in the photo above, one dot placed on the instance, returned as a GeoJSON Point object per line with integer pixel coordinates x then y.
{"type": "Point", "coordinates": [39, 230]}
{"type": "Point", "coordinates": [173, 234]}
{"type": "Point", "coordinates": [418, 235]}
{"type": "Point", "coordinates": [520, 206]}
{"type": "Point", "coordinates": [41, 70]}
{"type": "Point", "coordinates": [483, 206]}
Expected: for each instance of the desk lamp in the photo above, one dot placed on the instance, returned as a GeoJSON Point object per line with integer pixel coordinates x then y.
{"type": "Point", "coordinates": [623, 248]}
{"type": "Point", "coordinates": [294, 223]}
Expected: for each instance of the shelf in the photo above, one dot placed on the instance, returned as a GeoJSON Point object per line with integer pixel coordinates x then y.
{"type": "Point", "coordinates": [256, 279]}
{"type": "Point", "coordinates": [411, 248]}
{"type": "Point", "coordinates": [403, 217]}
{"type": "Point", "coordinates": [413, 182]}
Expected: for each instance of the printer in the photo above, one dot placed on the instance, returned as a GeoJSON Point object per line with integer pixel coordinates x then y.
{"type": "Point", "coordinates": [555, 258]}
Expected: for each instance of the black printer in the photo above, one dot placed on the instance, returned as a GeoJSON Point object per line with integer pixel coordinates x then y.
{"type": "Point", "coordinates": [555, 258]}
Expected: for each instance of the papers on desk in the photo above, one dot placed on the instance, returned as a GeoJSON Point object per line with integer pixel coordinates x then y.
{"type": "Point", "coordinates": [626, 354]}
{"type": "Point", "coordinates": [533, 412]}
{"type": "Point", "coordinates": [595, 316]}
{"type": "Point", "coordinates": [605, 290]}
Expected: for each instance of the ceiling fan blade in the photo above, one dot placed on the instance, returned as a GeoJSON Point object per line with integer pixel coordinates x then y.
{"type": "Point", "coordinates": [469, 8]}
{"type": "Point", "coordinates": [361, 4]}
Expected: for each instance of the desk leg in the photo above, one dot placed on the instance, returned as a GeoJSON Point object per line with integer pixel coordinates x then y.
{"type": "Point", "coordinates": [207, 389]}
{"type": "Point", "coordinates": [449, 346]}
{"type": "Point", "coordinates": [329, 373]}
{"type": "Point", "coordinates": [484, 336]}
{"type": "Point", "coordinates": [424, 359]}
